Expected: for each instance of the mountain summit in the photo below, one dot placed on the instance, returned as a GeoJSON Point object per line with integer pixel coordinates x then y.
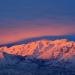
{"type": "Point", "coordinates": [42, 57]}
{"type": "Point", "coordinates": [43, 49]}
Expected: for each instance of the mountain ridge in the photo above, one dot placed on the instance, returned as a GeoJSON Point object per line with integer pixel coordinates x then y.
{"type": "Point", "coordinates": [43, 49]}
{"type": "Point", "coordinates": [42, 57]}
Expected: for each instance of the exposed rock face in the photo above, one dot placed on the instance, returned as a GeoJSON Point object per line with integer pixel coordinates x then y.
{"type": "Point", "coordinates": [43, 49]}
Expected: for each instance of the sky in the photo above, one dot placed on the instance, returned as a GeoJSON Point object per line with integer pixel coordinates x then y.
{"type": "Point", "coordinates": [20, 19]}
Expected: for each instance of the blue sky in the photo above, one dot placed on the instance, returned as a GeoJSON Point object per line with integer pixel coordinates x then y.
{"type": "Point", "coordinates": [36, 9]}
{"type": "Point", "coordinates": [30, 18]}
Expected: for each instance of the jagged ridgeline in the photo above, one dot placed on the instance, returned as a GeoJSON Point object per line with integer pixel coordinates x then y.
{"type": "Point", "coordinates": [42, 57]}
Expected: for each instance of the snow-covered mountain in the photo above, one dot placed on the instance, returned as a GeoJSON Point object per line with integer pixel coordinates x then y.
{"type": "Point", "coordinates": [43, 57]}
{"type": "Point", "coordinates": [43, 49]}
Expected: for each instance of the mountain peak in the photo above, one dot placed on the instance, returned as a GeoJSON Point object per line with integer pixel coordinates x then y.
{"type": "Point", "coordinates": [43, 49]}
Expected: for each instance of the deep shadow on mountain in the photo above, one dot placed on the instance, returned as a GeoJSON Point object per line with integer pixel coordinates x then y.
{"type": "Point", "coordinates": [18, 65]}
{"type": "Point", "coordinates": [24, 41]}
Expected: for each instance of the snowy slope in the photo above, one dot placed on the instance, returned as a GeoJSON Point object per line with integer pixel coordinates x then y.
{"type": "Point", "coordinates": [43, 49]}
{"type": "Point", "coordinates": [44, 57]}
